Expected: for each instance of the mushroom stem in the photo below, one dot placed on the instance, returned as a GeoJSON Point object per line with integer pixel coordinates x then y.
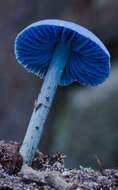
{"type": "Point", "coordinates": [44, 101]}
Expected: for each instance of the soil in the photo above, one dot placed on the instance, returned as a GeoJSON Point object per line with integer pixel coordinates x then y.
{"type": "Point", "coordinates": [47, 172]}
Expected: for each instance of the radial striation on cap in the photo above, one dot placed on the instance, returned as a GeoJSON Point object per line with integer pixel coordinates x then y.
{"type": "Point", "coordinates": [89, 60]}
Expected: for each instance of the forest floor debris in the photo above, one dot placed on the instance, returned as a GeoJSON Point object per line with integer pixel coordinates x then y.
{"type": "Point", "coordinates": [47, 172]}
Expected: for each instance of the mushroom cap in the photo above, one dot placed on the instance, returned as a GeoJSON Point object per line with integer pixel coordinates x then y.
{"type": "Point", "coordinates": [88, 63]}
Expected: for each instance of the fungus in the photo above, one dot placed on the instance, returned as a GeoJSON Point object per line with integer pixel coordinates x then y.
{"type": "Point", "coordinates": [59, 52]}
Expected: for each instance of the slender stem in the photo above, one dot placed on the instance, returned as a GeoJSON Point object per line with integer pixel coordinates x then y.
{"type": "Point", "coordinates": [44, 101]}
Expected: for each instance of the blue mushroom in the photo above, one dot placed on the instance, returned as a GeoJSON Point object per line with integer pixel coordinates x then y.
{"type": "Point", "coordinates": [59, 52]}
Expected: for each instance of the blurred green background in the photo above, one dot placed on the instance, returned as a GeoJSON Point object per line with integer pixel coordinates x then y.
{"type": "Point", "coordinates": [83, 121]}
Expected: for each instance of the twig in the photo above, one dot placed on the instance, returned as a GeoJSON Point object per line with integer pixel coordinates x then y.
{"type": "Point", "coordinates": [52, 178]}
{"type": "Point", "coordinates": [100, 167]}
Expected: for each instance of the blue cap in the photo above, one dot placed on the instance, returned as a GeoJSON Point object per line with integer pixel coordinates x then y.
{"type": "Point", "coordinates": [89, 61]}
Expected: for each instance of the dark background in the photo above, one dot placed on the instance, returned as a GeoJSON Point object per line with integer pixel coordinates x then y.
{"type": "Point", "coordinates": [78, 125]}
